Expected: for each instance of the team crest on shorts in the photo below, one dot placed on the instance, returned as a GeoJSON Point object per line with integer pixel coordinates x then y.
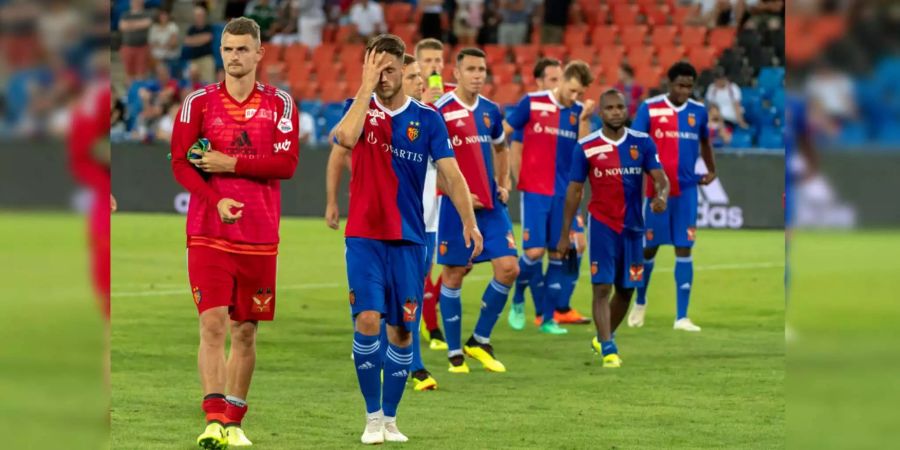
{"type": "Point", "coordinates": [636, 272]}
{"type": "Point", "coordinates": [352, 297]}
{"type": "Point", "coordinates": [692, 120]}
{"type": "Point", "coordinates": [572, 119]}
{"type": "Point", "coordinates": [409, 310]}
{"type": "Point", "coordinates": [594, 268]}
{"type": "Point", "coordinates": [197, 296]}
{"type": "Point", "coordinates": [691, 233]}
{"type": "Point", "coordinates": [412, 131]}
{"type": "Point", "coordinates": [487, 120]}
{"type": "Point", "coordinates": [262, 301]}
{"type": "Point", "coordinates": [580, 220]}
{"type": "Point", "coordinates": [649, 235]}
{"type": "Point", "coordinates": [442, 249]}
{"type": "Point", "coordinates": [526, 234]}
{"type": "Point", "coordinates": [510, 240]}
{"type": "Point", "coordinates": [634, 152]}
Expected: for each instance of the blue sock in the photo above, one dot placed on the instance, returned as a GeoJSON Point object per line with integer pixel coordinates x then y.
{"type": "Point", "coordinates": [367, 357]}
{"type": "Point", "coordinates": [382, 339]}
{"type": "Point", "coordinates": [554, 281]}
{"type": "Point", "coordinates": [396, 371]}
{"type": "Point", "coordinates": [417, 363]}
{"type": "Point", "coordinates": [568, 287]}
{"type": "Point", "coordinates": [528, 268]}
{"type": "Point", "coordinates": [492, 303]}
{"type": "Point", "coordinates": [684, 277]}
{"type": "Point", "coordinates": [642, 290]}
{"type": "Point", "coordinates": [608, 347]}
{"type": "Point", "coordinates": [538, 292]}
{"type": "Point", "coordinates": [451, 314]}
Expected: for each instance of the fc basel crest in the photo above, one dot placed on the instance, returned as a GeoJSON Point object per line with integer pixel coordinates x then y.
{"type": "Point", "coordinates": [634, 152]}
{"type": "Point", "coordinates": [594, 268]}
{"type": "Point", "coordinates": [636, 272]}
{"type": "Point", "coordinates": [442, 249]}
{"type": "Point", "coordinates": [692, 120]}
{"type": "Point", "coordinates": [262, 299]}
{"type": "Point", "coordinates": [409, 310]}
{"type": "Point", "coordinates": [197, 295]}
{"type": "Point", "coordinates": [352, 297]}
{"type": "Point", "coordinates": [487, 120]}
{"type": "Point", "coordinates": [412, 131]}
{"type": "Point", "coordinates": [572, 119]}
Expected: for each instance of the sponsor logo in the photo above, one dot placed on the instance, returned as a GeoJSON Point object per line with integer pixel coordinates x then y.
{"type": "Point", "coordinates": [636, 272]}
{"type": "Point", "coordinates": [282, 146]}
{"type": "Point", "coordinates": [663, 119]}
{"type": "Point", "coordinates": [458, 114]}
{"type": "Point", "coordinates": [487, 120]}
{"type": "Point", "coordinates": [459, 123]}
{"type": "Point", "coordinates": [692, 120]}
{"type": "Point", "coordinates": [376, 113]}
{"type": "Point", "coordinates": [197, 295]}
{"type": "Point", "coordinates": [605, 148]}
{"type": "Point", "coordinates": [510, 240]}
{"type": "Point", "coordinates": [553, 131]}
{"type": "Point", "coordinates": [403, 154]}
{"type": "Point", "coordinates": [265, 114]}
{"type": "Point", "coordinates": [370, 138]}
{"type": "Point", "coordinates": [478, 139]}
{"type": "Point", "coordinates": [366, 366]}
{"type": "Point", "coordinates": [655, 112]}
{"type": "Point", "coordinates": [241, 140]}
{"type": "Point", "coordinates": [262, 300]}
{"type": "Point", "coordinates": [526, 234]}
{"type": "Point", "coordinates": [544, 114]}
{"type": "Point", "coordinates": [442, 249]}
{"type": "Point", "coordinates": [249, 112]}
{"type": "Point", "coordinates": [634, 152]}
{"type": "Point", "coordinates": [409, 309]}
{"type": "Point", "coordinates": [412, 131]}
{"type": "Point", "coordinates": [594, 268]}
{"type": "Point", "coordinates": [671, 134]}
{"type": "Point", "coordinates": [659, 133]}
{"type": "Point", "coordinates": [537, 106]}
{"type": "Point", "coordinates": [713, 206]}
{"type": "Point", "coordinates": [285, 125]}
{"type": "Point", "coordinates": [453, 319]}
{"type": "Point", "coordinates": [456, 141]}
{"type": "Point", "coordinates": [685, 286]}
{"type": "Point", "coordinates": [617, 171]}
{"type": "Point", "coordinates": [218, 122]}
{"type": "Point", "coordinates": [572, 119]}
{"type": "Point", "coordinates": [352, 297]}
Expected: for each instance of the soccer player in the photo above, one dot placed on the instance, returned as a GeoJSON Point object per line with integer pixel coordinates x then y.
{"type": "Point", "coordinates": [678, 126]}
{"type": "Point", "coordinates": [476, 130]}
{"type": "Point", "coordinates": [551, 122]}
{"type": "Point", "coordinates": [233, 218]}
{"type": "Point", "coordinates": [614, 158]}
{"type": "Point", "coordinates": [429, 54]}
{"type": "Point", "coordinates": [392, 137]}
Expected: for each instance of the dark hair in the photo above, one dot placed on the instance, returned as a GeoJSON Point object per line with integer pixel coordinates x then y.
{"type": "Point", "coordinates": [429, 44]}
{"type": "Point", "coordinates": [611, 91]}
{"type": "Point", "coordinates": [627, 69]}
{"type": "Point", "coordinates": [387, 43]}
{"type": "Point", "coordinates": [240, 26]}
{"type": "Point", "coordinates": [470, 51]}
{"type": "Point", "coordinates": [542, 64]}
{"type": "Point", "coordinates": [580, 71]}
{"type": "Point", "coordinates": [408, 59]}
{"type": "Point", "coordinates": [682, 69]}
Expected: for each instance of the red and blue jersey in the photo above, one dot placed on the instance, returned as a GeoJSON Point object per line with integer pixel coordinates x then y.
{"type": "Point", "coordinates": [615, 169]}
{"type": "Point", "coordinates": [388, 164]}
{"type": "Point", "coordinates": [549, 133]}
{"type": "Point", "coordinates": [473, 130]}
{"type": "Point", "coordinates": [677, 132]}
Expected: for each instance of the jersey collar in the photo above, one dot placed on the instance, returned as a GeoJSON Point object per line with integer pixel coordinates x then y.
{"type": "Point", "coordinates": [678, 108]}
{"type": "Point", "coordinates": [615, 143]}
{"type": "Point", "coordinates": [390, 112]}
{"type": "Point", "coordinates": [469, 108]}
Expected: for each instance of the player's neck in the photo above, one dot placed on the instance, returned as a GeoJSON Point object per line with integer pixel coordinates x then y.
{"type": "Point", "coordinates": [468, 98]}
{"type": "Point", "coordinates": [672, 100]}
{"type": "Point", "coordinates": [612, 134]}
{"type": "Point", "coordinates": [394, 103]}
{"type": "Point", "coordinates": [240, 88]}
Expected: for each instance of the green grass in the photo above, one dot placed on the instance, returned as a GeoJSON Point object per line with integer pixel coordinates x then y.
{"type": "Point", "coordinates": [722, 388]}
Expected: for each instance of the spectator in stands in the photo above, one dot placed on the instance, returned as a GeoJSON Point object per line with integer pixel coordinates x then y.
{"type": "Point", "coordinates": [145, 125]}
{"type": "Point", "coordinates": [430, 26]}
{"type": "Point", "coordinates": [719, 131]}
{"type": "Point", "coordinates": [265, 14]}
{"type": "Point", "coordinates": [198, 45]}
{"type": "Point", "coordinates": [556, 16]}
{"type": "Point", "coordinates": [831, 92]}
{"type": "Point", "coordinates": [727, 96]}
{"type": "Point", "coordinates": [368, 17]}
{"type": "Point", "coordinates": [311, 22]}
{"type": "Point", "coordinates": [166, 124]}
{"type": "Point", "coordinates": [118, 129]}
{"type": "Point", "coordinates": [166, 86]}
{"type": "Point", "coordinates": [284, 30]}
{"type": "Point", "coordinates": [163, 38]}
{"type": "Point", "coordinates": [307, 129]}
{"type": "Point", "coordinates": [514, 26]}
{"type": "Point", "coordinates": [711, 13]}
{"type": "Point", "coordinates": [135, 28]}
{"type": "Point", "coordinates": [467, 21]}
{"type": "Point", "coordinates": [490, 25]}
{"type": "Point", "coordinates": [193, 80]}
{"type": "Point", "coordinates": [760, 14]}
{"type": "Point", "coordinates": [634, 93]}
{"type": "Point", "coordinates": [234, 8]}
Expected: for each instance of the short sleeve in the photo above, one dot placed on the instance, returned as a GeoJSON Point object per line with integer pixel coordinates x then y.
{"type": "Point", "coordinates": [641, 120]}
{"type": "Point", "coordinates": [520, 113]}
{"type": "Point", "coordinates": [704, 125]}
{"type": "Point", "coordinates": [651, 157]}
{"type": "Point", "coordinates": [518, 135]}
{"type": "Point", "coordinates": [579, 171]}
{"type": "Point", "coordinates": [438, 138]}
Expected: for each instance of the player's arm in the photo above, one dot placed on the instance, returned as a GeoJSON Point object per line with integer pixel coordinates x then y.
{"type": "Point", "coordinates": [336, 163]}
{"type": "Point", "coordinates": [706, 152]}
{"type": "Point", "coordinates": [584, 120]}
{"type": "Point", "coordinates": [515, 123]}
{"type": "Point", "coordinates": [454, 185]}
{"type": "Point", "coordinates": [501, 158]}
{"type": "Point", "coordinates": [515, 159]}
{"type": "Point", "coordinates": [660, 180]}
{"type": "Point", "coordinates": [351, 125]}
{"type": "Point", "coordinates": [578, 173]}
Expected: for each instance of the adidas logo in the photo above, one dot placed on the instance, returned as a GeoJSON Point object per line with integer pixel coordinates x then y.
{"type": "Point", "coordinates": [218, 122]}
{"type": "Point", "coordinates": [483, 305]}
{"type": "Point", "coordinates": [460, 123]}
{"type": "Point", "coordinates": [602, 156]}
{"type": "Point", "coordinates": [241, 140]}
{"type": "Point", "coordinates": [685, 286]}
{"type": "Point", "coordinates": [400, 374]}
{"type": "Point", "coordinates": [663, 119]}
{"type": "Point", "coordinates": [453, 319]}
{"type": "Point", "coordinates": [555, 286]}
{"type": "Point", "coordinates": [366, 366]}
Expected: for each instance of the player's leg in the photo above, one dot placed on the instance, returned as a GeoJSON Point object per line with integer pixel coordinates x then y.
{"type": "Point", "coordinates": [553, 280]}
{"type": "Point", "coordinates": [493, 301]}
{"type": "Point", "coordinates": [684, 227]}
{"type": "Point", "coordinates": [658, 232]}
{"type": "Point", "coordinates": [619, 306]}
{"type": "Point", "coordinates": [397, 363]}
{"type": "Point", "coordinates": [563, 312]}
{"type": "Point", "coordinates": [454, 256]}
{"type": "Point", "coordinates": [239, 369]}
{"type": "Point", "coordinates": [605, 248]}
{"type": "Point", "coordinates": [534, 211]}
{"type": "Point", "coordinates": [431, 331]}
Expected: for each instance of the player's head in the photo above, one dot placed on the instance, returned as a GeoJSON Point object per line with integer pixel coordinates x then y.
{"type": "Point", "coordinates": [576, 78]}
{"type": "Point", "coordinates": [241, 49]}
{"type": "Point", "coordinates": [547, 73]}
{"type": "Point", "coordinates": [613, 112]}
{"type": "Point", "coordinates": [430, 55]}
{"type": "Point", "coordinates": [626, 73]}
{"type": "Point", "coordinates": [681, 82]}
{"type": "Point", "coordinates": [391, 81]}
{"type": "Point", "coordinates": [471, 69]}
{"type": "Point", "coordinates": [413, 83]}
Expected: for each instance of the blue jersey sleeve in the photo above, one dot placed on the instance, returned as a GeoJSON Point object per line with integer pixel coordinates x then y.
{"type": "Point", "coordinates": [641, 120]}
{"type": "Point", "coordinates": [520, 114]}
{"type": "Point", "coordinates": [438, 138]}
{"type": "Point", "coordinates": [518, 135]}
{"type": "Point", "coordinates": [497, 133]}
{"type": "Point", "coordinates": [704, 124]}
{"type": "Point", "coordinates": [651, 157]}
{"type": "Point", "coordinates": [579, 170]}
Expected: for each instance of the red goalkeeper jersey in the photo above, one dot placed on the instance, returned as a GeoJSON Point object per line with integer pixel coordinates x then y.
{"type": "Point", "coordinates": [262, 133]}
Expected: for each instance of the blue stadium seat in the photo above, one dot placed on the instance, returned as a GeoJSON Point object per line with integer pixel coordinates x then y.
{"type": "Point", "coordinates": [770, 79]}
{"type": "Point", "coordinates": [331, 115]}
{"type": "Point", "coordinates": [778, 99]}
{"type": "Point", "coordinates": [313, 107]}
{"type": "Point", "coordinates": [889, 133]}
{"type": "Point", "coordinates": [741, 138]}
{"type": "Point", "coordinates": [771, 137]}
{"type": "Point", "coordinates": [853, 134]}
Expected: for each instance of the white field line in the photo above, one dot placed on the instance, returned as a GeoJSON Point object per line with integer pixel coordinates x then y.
{"type": "Point", "coordinates": [303, 286]}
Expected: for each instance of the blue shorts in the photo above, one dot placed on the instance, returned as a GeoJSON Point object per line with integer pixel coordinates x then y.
{"type": "Point", "coordinates": [616, 258]}
{"type": "Point", "coordinates": [677, 225]}
{"type": "Point", "coordinates": [495, 227]}
{"type": "Point", "coordinates": [430, 243]}
{"type": "Point", "coordinates": [386, 276]}
{"type": "Point", "coordinates": [542, 217]}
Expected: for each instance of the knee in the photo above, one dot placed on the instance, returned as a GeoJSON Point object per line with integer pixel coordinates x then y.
{"type": "Point", "coordinates": [535, 254]}
{"type": "Point", "coordinates": [682, 252]}
{"type": "Point", "coordinates": [602, 292]}
{"type": "Point", "coordinates": [452, 276]}
{"type": "Point", "coordinates": [507, 273]}
{"type": "Point", "coordinates": [213, 329]}
{"type": "Point", "coordinates": [243, 335]}
{"type": "Point", "coordinates": [368, 322]}
{"type": "Point", "coordinates": [650, 252]}
{"type": "Point", "coordinates": [400, 336]}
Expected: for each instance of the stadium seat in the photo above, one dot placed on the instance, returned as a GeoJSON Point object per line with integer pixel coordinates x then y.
{"type": "Point", "coordinates": [680, 14]}
{"type": "Point", "coordinates": [667, 56]}
{"type": "Point", "coordinates": [889, 133]}
{"type": "Point", "coordinates": [327, 73]}
{"type": "Point", "coordinates": [324, 54]}
{"type": "Point", "coordinates": [625, 14]}
{"type": "Point", "coordinates": [576, 36]}
{"type": "Point", "coordinates": [741, 138]}
{"type": "Point", "coordinates": [217, 29]}
{"type": "Point", "coordinates": [770, 80]}
{"type": "Point", "coordinates": [612, 54]}
{"type": "Point", "coordinates": [657, 15]}
{"type": "Point", "coordinates": [555, 51]}
{"type": "Point", "coordinates": [305, 90]}
{"type": "Point", "coordinates": [586, 54]}
{"type": "Point", "coordinates": [633, 35]}
{"type": "Point", "coordinates": [852, 134]}
{"type": "Point", "coordinates": [407, 32]}
{"type": "Point", "coordinates": [640, 56]}
{"type": "Point", "coordinates": [311, 106]}
{"type": "Point", "coordinates": [508, 95]}
{"type": "Point", "coordinates": [648, 77]}
{"type": "Point", "coordinates": [333, 91]}
{"type": "Point", "coordinates": [693, 36]}
{"type": "Point", "coordinates": [525, 54]}
{"type": "Point", "coordinates": [664, 35]}
{"type": "Point", "coordinates": [502, 74]}
{"type": "Point", "coordinates": [604, 35]}
{"type": "Point", "coordinates": [702, 57]}
{"type": "Point", "coordinates": [398, 12]}
{"type": "Point", "coordinates": [721, 38]}
{"type": "Point", "coordinates": [496, 54]}
{"type": "Point", "coordinates": [527, 76]}
{"type": "Point", "coordinates": [771, 137]}
{"type": "Point", "coordinates": [295, 53]}
{"type": "Point", "coordinates": [345, 34]}
{"type": "Point", "coordinates": [331, 115]}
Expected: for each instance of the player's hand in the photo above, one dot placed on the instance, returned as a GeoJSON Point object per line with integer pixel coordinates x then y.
{"type": "Point", "coordinates": [564, 243]}
{"type": "Point", "coordinates": [372, 68]}
{"type": "Point", "coordinates": [708, 178]}
{"type": "Point", "coordinates": [476, 202]}
{"type": "Point", "coordinates": [658, 204]}
{"type": "Point", "coordinates": [473, 239]}
{"type": "Point", "coordinates": [113, 206]}
{"type": "Point", "coordinates": [332, 216]}
{"type": "Point", "coordinates": [588, 110]}
{"type": "Point", "coordinates": [503, 193]}
{"type": "Point", "coordinates": [225, 206]}
{"type": "Point", "coordinates": [216, 162]}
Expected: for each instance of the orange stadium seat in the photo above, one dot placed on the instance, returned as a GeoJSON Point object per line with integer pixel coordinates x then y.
{"type": "Point", "coordinates": [326, 73]}
{"type": "Point", "coordinates": [586, 54]}
{"type": "Point", "coordinates": [576, 35]}
{"type": "Point", "coordinates": [299, 72]}
{"type": "Point", "coordinates": [305, 90]}
{"type": "Point", "coordinates": [604, 35]}
{"type": "Point", "coordinates": [496, 54]}
{"type": "Point", "coordinates": [447, 73]}
{"type": "Point", "coordinates": [345, 33]}
{"type": "Point", "coordinates": [324, 54]}
{"type": "Point", "coordinates": [508, 95]}
{"type": "Point", "coordinates": [503, 73]}
{"type": "Point", "coordinates": [407, 32]}
{"type": "Point", "coordinates": [555, 51]}
{"type": "Point", "coordinates": [611, 77]}
{"type": "Point", "coordinates": [352, 55]}
{"type": "Point", "coordinates": [633, 35]}
{"type": "Point", "coordinates": [398, 12]}
{"type": "Point", "coordinates": [333, 92]}
{"type": "Point", "coordinates": [693, 36]}
{"type": "Point", "coordinates": [527, 75]}
{"type": "Point", "coordinates": [680, 14]}
{"type": "Point", "coordinates": [702, 57]}
{"type": "Point", "coordinates": [721, 38]}
{"type": "Point", "coordinates": [663, 35]}
{"type": "Point", "coordinates": [274, 53]}
{"type": "Point", "coordinates": [625, 14]}
{"type": "Point", "coordinates": [666, 56]}
{"type": "Point", "coordinates": [611, 53]}
{"type": "Point", "coordinates": [525, 54]}
{"type": "Point", "coordinates": [649, 77]}
{"type": "Point", "coordinates": [640, 56]}
{"type": "Point", "coordinates": [295, 53]}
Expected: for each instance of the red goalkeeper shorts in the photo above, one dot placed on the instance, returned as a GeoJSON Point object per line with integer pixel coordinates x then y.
{"type": "Point", "coordinates": [244, 283]}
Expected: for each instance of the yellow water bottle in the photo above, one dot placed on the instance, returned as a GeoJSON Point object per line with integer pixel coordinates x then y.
{"type": "Point", "coordinates": [436, 81]}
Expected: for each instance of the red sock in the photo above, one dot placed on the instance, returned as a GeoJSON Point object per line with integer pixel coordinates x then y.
{"type": "Point", "coordinates": [429, 307]}
{"type": "Point", "coordinates": [214, 405]}
{"type": "Point", "coordinates": [234, 414]}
